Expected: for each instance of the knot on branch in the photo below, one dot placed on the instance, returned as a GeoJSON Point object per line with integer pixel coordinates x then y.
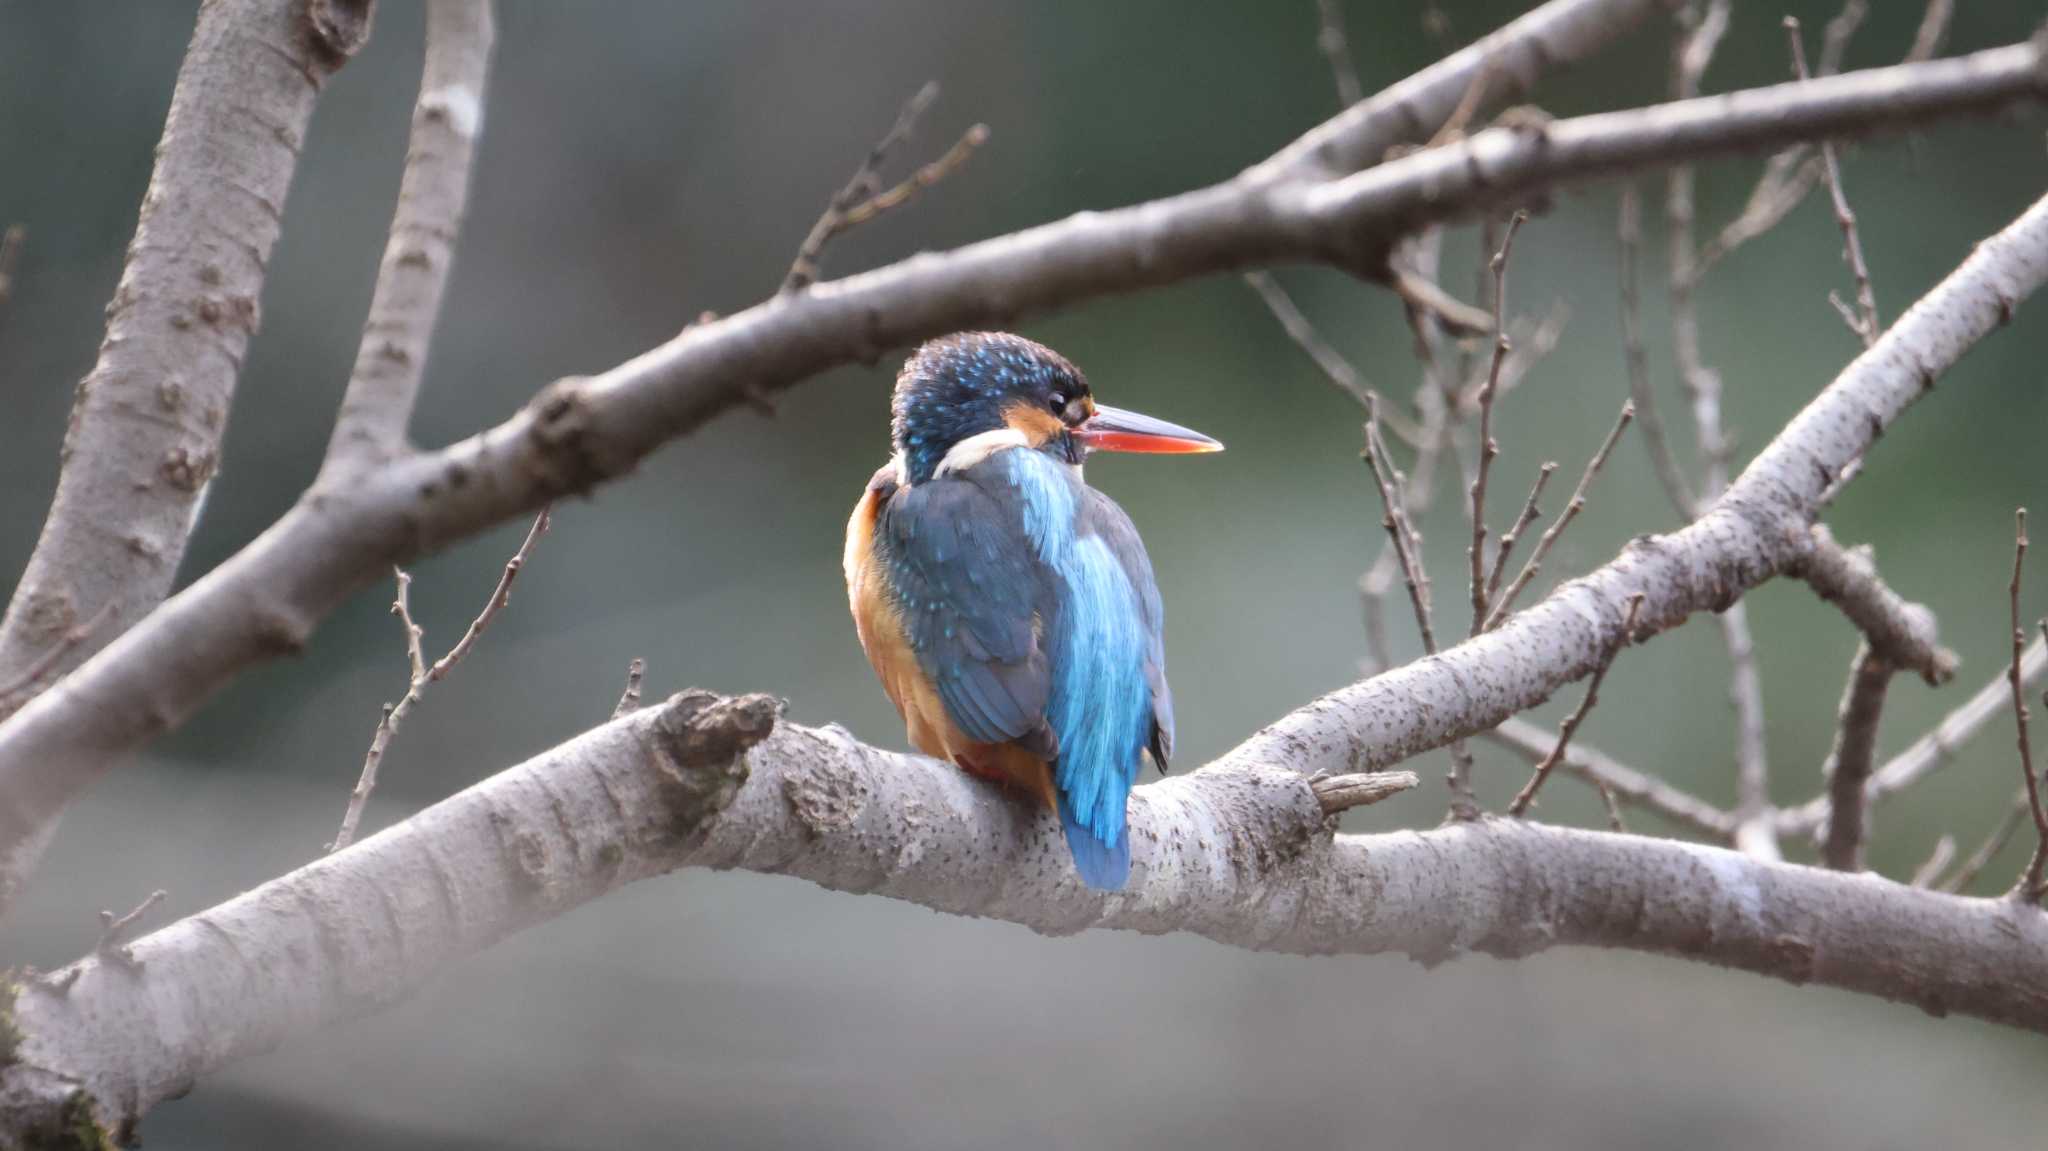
{"type": "Point", "coordinates": [568, 456]}
{"type": "Point", "coordinates": [827, 796]}
{"type": "Point", "coordinates": [701, 743]}
{"type": "Point", "coordinates": [337, 29]}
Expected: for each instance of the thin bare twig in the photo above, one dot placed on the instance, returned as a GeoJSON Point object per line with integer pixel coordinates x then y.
{"type": "Point", "coordinates": [924, 178]}
{"type": "Point", "coordinates": [1331, 42]}
{"type": "Point", "coordinates": [1571, 511]}
{"type": "Point", "coordinates": [1835, 38]}
{"type": "Point", "coordinates": [1602, 772]}
{"type": "Point", "coordinates": [1848, 765]}
{"type": "Point", "coordinates": [1523, 798]}
{"type": "Point", "coordinates": [1510, 537]}
{"type": "Point", "coordinates": [1338, 369]}
{"type": "Point", "coordinates": [2015, 814]}
{"type": "Point", "coordinates": [500, 596]}
{"type": "Point", "coordinates": [1787, 179]}
{"type": "Point", "coordinates": [1488, 449]}
{"type": "Point", "coordinates": [1613, 806]}
{"type": "Point", "coordinates": [1933, 29]}
{"type": "Point", "coordinates": [115, 929]}
{"type": "Point", "coordinates": [1468, 107]}
{"type": "Point", "coordinates": [629, 701]}
{"type": "Point", "coordinates": [1407, 544]}
{"type": "Point", "coordinates": [394, 714]}
{"type": "Point", "coordinates": [1421, 293]}
{"type": "Point", "coordinates": [2029, 886]}
{"type": "Point", "coordinates": [1629, 233]}
{"type": "Point", "coordinates": [863, 197]}
{"type": "Point", "coordinates": [1408, 550]}
{"type": "Point", "coordinates": [1863, 321]}
{"type": "Point", "coordinates": [1929, 872]}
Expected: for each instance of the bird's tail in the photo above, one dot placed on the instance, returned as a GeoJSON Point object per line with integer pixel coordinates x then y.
{"type": "Point", "coordinates": [1103, 866]}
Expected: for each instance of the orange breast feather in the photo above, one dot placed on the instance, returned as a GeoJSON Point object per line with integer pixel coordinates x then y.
{"type": "Point", "coordinates": [880, 626]}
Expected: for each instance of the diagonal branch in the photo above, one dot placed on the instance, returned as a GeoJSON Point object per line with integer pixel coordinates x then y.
{"type": "Point", "coordinates": [432, 197]}
{"type": "Point", "coordinates": [1902, 633]}
{"type": "Point", "coordinates": [147, 422]}
{"type": "Point", "coordinates": [1520, 806]}
{"type": "Point", "coordinates": [583, 431]}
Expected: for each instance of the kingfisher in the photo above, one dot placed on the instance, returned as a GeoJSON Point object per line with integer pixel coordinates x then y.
{"type": "Point", "coordinates": [1008, 608]}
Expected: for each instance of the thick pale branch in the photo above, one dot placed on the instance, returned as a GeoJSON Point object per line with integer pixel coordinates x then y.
{"type": "Point", "coordinates": [1245, 857]}
{"type": "Point", "coordinates": [432, 196]}
{"type": "Point", "coordinates": [580, 432]}
{"type": "Point", "coordinates": [147, 422]}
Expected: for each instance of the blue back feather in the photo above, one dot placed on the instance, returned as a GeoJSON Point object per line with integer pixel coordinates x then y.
{"type": "Point", "coordinates": [1101, 704]}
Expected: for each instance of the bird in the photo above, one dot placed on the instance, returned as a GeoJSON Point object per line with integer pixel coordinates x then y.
{"type": "Point", "coordinates": [1009, 609]}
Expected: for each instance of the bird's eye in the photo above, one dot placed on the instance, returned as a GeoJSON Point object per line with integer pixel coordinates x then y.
{"type": "Point", "coordinates": [1058, 401]}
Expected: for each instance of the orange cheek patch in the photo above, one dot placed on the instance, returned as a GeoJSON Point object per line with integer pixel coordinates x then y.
{"type": "Point", "coordinates": [1037, 424]}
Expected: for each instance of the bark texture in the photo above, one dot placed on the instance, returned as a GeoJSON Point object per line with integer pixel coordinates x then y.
{"type": "Point", "coordinates": [1243, 856]}
{"type": "Point", "coordinates": [147, 421]}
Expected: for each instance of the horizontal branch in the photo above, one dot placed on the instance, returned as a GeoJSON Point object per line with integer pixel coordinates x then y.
{"type": "Point", "coordinates": [580, 432]}
{"type": "Point", "coordinates": [1245, 857]}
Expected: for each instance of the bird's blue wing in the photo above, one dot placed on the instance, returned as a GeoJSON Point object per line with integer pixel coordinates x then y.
{"type": "Point", "coordinates": [969, 590]}
{"type": "Point", "coordinates": [1121, 537]}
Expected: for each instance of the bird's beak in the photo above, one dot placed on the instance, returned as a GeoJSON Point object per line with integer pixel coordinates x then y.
{"type": "Point", "coordinates": [1116, 430]}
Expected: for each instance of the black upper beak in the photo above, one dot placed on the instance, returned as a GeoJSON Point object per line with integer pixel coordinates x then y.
{"type": "Point", "coordinates": [1116, 430]}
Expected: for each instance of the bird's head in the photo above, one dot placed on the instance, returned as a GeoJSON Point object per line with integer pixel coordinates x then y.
{"type": "Point", "coordinates": [963, 396]}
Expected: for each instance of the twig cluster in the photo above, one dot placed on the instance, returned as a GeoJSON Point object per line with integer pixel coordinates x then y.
{"type": "Point", "coordinates": [863, 197]}
{"type": "Point", "coordinates": [423, 674]}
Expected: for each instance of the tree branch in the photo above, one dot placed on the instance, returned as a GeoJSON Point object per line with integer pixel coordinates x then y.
{"type": "Point", "coordinates": [1520, 805]}
{"type": "Point", "coordinates": [1756, 530]}
{"type": "Point", "coordinates": [432, 197]}
{"type": "Point", "coordinates": [1848, 765]}
{"type": "Point", "coordinates": [1625, 783]}
{"type": "Point", "coordinates": [1903, 634]}
{"type": "Point", "coordinates": [1931, 751]}
{"type": "Point", "coordinates": [582, 431]}
{"type": "Point", "coordinates": [147, 422]}
{"type": "Point", "coordinates": [1246, 857]}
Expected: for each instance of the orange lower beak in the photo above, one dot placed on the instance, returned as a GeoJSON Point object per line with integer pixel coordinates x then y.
{"type": "Point", "coordinates": [1116, 430]}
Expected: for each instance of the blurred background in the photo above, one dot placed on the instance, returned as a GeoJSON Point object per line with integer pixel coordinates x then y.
{"type": "Point", "coordinates": [650, 161]}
